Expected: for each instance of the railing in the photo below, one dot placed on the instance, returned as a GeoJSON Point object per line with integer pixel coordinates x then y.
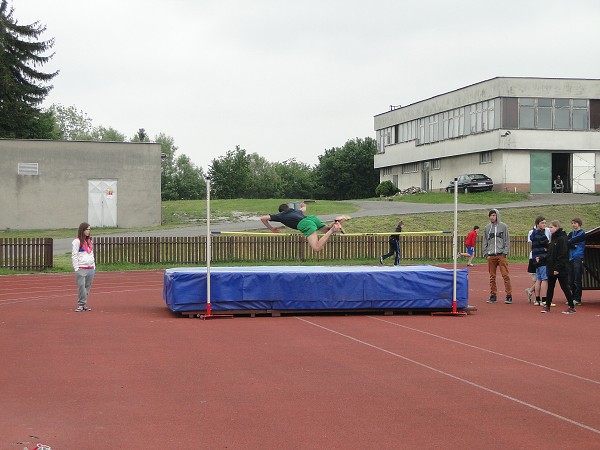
{"type": "Point", "coordinates": [26, 253]}
{"type": "Point", "coordinates": [36, 254]}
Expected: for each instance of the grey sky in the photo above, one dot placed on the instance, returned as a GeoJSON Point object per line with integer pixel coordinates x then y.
{"type": "Point", "coordinates": [290, 79]}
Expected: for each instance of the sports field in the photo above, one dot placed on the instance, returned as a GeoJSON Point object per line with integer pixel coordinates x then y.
{"type": "Point", "coordinates": [130, 374]}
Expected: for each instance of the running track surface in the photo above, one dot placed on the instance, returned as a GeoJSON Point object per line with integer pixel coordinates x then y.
{"type": "Point", "coordinates": [130, 374]}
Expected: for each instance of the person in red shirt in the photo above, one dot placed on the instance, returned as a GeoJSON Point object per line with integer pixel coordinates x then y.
{"type": "Point", "coordinates": [470, 245]}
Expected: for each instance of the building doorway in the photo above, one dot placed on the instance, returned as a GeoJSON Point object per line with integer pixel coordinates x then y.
{"type": "Point", "coordinates": [561, 165]}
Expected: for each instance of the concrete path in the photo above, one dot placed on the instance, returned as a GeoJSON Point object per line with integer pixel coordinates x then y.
{"type": "Point", "coordinates": [367, 209]}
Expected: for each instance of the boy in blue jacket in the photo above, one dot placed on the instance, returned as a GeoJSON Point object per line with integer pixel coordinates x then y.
{"type": "Point", "coordinates": [576, 240]}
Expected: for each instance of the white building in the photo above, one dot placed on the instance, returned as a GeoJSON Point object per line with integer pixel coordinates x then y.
{"type": "Point", "coordinates": [521, 132]}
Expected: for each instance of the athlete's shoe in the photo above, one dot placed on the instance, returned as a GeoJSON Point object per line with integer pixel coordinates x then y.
{"type": "Point", "coordinates": [381, 260]}
{"type": "Point", "coordinates": [508, 300]}
{"type": "Point", "coordinates": [492, 299]}
{"type": "Point", "coordinates": [80, 308]}
{"type": "Point", "coordinates": [545, 310]}
{"type": "Point", "coordinates": [569, 311]}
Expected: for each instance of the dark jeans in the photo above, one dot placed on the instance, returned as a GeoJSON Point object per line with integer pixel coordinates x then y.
{"type": "Point", "coordinates": [575, 277]}
{"type": "Point", "coordinates": [394, 250]}
{"type": "Point", "coordinates": [563, 279]}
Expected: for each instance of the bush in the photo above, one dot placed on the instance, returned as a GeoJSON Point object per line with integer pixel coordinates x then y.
{"type": "Point", "coordinates": [386, 189]}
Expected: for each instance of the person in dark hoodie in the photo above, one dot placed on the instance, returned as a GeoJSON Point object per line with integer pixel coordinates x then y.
{"type": "Point", "coordinates": [394, 242]}
{"type": "Point", "coordinates": [557, 266]}
{"type": "Point", "coordinates": [496, 245]}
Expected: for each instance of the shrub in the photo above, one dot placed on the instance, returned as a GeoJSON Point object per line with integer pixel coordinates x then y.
{"type": "Point", "coordinates": [386, 189]}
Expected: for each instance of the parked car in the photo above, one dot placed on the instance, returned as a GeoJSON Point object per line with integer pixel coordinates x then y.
{"type": "Point", "coordinates": [472, 182]}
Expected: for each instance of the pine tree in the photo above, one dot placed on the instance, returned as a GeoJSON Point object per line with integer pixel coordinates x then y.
{"type": "Point", "coordinates": [22, 86]}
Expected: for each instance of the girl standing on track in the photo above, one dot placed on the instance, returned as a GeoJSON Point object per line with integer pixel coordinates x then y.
{"type": "Point", "coordinates": [82, 256]}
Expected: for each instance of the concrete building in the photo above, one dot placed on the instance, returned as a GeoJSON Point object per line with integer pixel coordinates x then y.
{"type": "Point", "coordinates": [521, 132]}
{"type": "Point", "coordinates": [59, 184]}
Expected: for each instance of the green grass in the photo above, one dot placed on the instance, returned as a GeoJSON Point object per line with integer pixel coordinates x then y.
{"type": "Point", "coordinates": [189, 212]}
{"type": "Point", "coordinates": [519, 220]}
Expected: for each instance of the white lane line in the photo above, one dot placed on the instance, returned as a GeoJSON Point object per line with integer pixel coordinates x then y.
{"type": "Point", "coordinates": [10, 291]}
{"type": "Point", "coordinates": [489, 351]}
{"type": "Point", "coordinates": [74, 293]}
{"type": "Point", "coordinates": [454, 377]}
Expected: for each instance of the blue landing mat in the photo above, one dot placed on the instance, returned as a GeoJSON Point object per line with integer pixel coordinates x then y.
{"type": "Point", "coordinates": [310, 288]}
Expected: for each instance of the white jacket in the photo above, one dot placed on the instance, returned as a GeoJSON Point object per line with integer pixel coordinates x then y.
{"type": "Point", "coordinates": [81, 258]}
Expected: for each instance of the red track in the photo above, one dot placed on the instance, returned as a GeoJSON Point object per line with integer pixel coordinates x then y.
{"type": "Point", "coordinates": [131, 374]}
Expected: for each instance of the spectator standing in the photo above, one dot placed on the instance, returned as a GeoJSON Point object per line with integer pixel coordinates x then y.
{"type": "Point", "coordinates": [557, 263]}
{"type": "Point", "coordinates": [496, 246]}
{"type": "Point", "coordinates": [84, 264]}
{"type": "Point", "coordinates": [576, 241]}
{"type": "Point", "coordinates": [539, 249]}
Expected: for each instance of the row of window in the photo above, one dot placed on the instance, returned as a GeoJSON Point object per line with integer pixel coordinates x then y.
{"type": "Point", "coordinates": [517, 113]}
{"type": "Point", "coordinates": [553, 114]}
{"type": "Point", "coordinates": [462, 121]}
{"type": "Point", "coordinates": [434, 164]}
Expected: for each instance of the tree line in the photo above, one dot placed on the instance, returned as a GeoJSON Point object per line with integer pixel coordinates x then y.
{"type": "Point", "coordinates": [344, 172]}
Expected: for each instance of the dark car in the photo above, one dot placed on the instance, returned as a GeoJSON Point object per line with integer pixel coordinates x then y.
{"type": "Point", "coordinates": [472, 182]}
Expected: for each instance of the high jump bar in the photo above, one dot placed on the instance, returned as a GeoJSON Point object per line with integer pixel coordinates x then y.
{"type": "Point", "coordinates": [387, 233]}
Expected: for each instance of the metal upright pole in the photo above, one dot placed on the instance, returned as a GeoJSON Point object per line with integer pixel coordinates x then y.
{"type": "Point", "coordinates": [209, 314]}
{"type": "Point", "coordinates": [455, 244]}
{"type": "Point", "coordinates": [454, 311]}
{"type": "Point", "coordinates": [208, 247]}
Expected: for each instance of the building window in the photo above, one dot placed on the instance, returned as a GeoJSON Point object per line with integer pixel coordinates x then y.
{"type": "Point", "coordinates": [544, 113]}
{"type": "Point", "coordinates": [410, 168]}
{"type": "Point", "coordinates": [436, 164]}
{"type": "Point", "coordinates": [485, 157]}
{"type": "Point", "coordinates": [384, 137]}
{"type": "Point", "coordinates": [562, 114]}
{"type": "Point", "coordinates": [550, 114]}
{"type": "Point", "coordinates": [386, 171]}
{"type": "Point", "coordinates": [510, 113]}
{"type": "Point", "coordinates": [526, 113]}
{"type": "Point", "coordinates": [580, 114]}
{"type": "Point", "coordinates": [595, 114]}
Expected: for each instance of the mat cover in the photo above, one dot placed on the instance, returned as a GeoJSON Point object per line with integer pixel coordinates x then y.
{"type": "Point", "coordinates": [310, 288]}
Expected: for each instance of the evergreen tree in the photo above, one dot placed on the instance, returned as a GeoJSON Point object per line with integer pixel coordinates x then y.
{"type": "Point", "coordinates": [22, 86]}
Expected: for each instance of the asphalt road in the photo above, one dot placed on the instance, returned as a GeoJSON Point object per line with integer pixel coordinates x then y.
{"type": "Point", "coordinates": [367, 208]}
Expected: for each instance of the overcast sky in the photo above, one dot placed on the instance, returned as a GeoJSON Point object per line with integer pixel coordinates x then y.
{"type": "Point", "coordinates": [291, 79]}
